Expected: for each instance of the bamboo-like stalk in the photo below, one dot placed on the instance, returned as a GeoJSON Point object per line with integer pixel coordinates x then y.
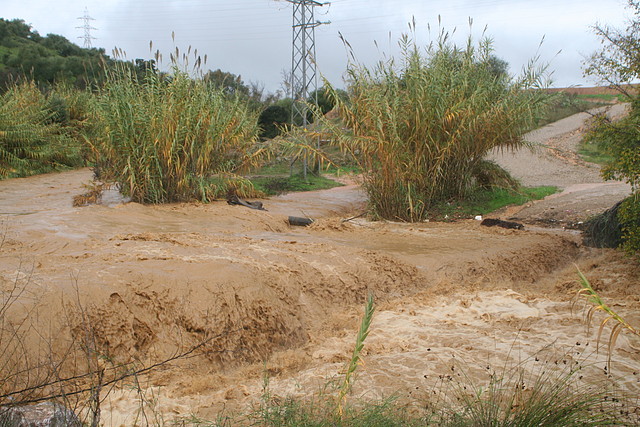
{"type": "Point", "coordinates": [421, 130]}
{"type": "Point", "coordinates": [174, 138]}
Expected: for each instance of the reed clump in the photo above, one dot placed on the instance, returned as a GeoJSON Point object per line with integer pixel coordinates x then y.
{"type": "Point", "coordinates": [169, 138]}
{"type": "Point", "coordinates": [421, 127]}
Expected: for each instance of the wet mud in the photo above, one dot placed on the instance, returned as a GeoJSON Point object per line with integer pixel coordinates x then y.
{"type": "Point", "coordinates": [155, 280]}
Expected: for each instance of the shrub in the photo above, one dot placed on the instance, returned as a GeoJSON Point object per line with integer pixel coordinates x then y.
{"type": "Point", "coordinates": [31, 140]}
{"type": "Point", "coordinates": [618, 64]}
{"type": "Point", "coordinates": [272, 119]}
{"type": "Point", "coordinates": [420, 131]}
{"type": "Point", "coordinates": [629, 216]}
{"type": "Point", "coordinates": [174, 138]}
{"type": "Point", "coordinates": [621, 141]}
{"type": "Point", "coordinates": [604, 230]}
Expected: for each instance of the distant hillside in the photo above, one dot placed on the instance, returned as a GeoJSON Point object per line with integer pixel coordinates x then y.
{"type": "Point", "coordinates": [24, 52]}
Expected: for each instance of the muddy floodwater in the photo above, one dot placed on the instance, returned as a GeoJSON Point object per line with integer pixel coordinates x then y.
{"type": "Point", "coordinates": [158, 279]}
{"type": "Point", "coordinates": [260, 298]}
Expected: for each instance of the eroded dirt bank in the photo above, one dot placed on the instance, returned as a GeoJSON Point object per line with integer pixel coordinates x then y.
{"type": "Point", "coordinates": [158, 279]}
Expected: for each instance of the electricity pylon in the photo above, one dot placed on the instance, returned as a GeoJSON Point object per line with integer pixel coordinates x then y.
{"type": "Point", "coordinates": [86, 19]}
{"type": "Point", "coordinates": [304, 78]}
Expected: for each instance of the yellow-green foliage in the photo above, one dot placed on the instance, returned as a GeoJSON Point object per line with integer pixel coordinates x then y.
{"type": "Point", "coordinates": [421, 129]}
{"type": "Point", "coordinates": [172, 138]}
{"type": "Point", "coordinates": [31, 141]}
{"type": "Point", "coordinates": [621, 140]}
{"type": "Point", "coordinates": [619, 324]}
{"type": "Point", "coordinates": [618, 63]}
{"type": "Point", "coordinates": [629, 216]}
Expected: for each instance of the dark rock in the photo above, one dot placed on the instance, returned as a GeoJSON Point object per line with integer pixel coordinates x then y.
{"type": "Point", "coordinates": [235, 200]}
{"type": "Point", "coordinates": [45, 414]}
{"type": "Point", "coordinates": [302, 222]}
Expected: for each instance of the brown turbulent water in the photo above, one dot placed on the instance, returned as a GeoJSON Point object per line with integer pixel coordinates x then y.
{"type": "Point", "coordinates": [286, 301]}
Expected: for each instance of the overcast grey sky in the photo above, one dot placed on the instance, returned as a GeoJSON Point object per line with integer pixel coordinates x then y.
{"type": "Point", "coordinates": [253, 37]}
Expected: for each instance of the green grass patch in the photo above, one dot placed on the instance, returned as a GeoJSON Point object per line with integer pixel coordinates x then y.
{"type": "Point", "coordinates": [565, 105]}
{"type": "Point", "coordinates": [605, 97]}
{"type": "Point", "coordinates": [594, 152]}
{"type": "Point", "coordinates": [278, 168]}
{"type": "Point", "coordinates": [274, 185]}
{"type": "Point", "coordinates": [486, 201]}
{"type": "Point", "coordinates": [334, 162]}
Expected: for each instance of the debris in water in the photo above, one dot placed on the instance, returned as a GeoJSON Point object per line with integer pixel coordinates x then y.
{"type": "Point", "coordinates": [493, 222]}
{"type": "Point", "coordinates": [235, 200]}
{"type": "Point", "coordinates": [303, 222]}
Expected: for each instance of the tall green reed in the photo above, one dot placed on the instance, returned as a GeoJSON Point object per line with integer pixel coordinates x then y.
{"type": "Point", "coordinates": [420, 128]}
{"type": "Point", "coordinates": [172, 137]}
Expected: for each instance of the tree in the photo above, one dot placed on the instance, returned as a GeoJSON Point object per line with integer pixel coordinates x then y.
{"type": "Point", "coordinates": [272, 119]}
{"type": "Point", "coordinates": [618, 64]}
{"type": "Point", "coordinates": [230, 83]}
{"type": "Point", "coordinates": [324, 99]}
{"type": "Point", "coordinates": [62, 46]}
{"type": "Point", "coordinates": [498, 66]}
{"type": "Point", "coordinates": [25, 55]}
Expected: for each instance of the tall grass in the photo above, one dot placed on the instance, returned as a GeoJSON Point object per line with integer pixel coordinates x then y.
{"type": "Point", "coordinates": [597, 304]}
{"type": "Point", "coordinates": [520, 399]}
{"type": "Point", "coordinates": [420, 128]}
{"type": "Point", "coordinates": [356, 357]}
{"type": "Point", "coordinates": [172, 138]}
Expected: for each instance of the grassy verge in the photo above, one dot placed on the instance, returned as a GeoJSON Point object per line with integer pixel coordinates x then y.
{"type": "Point", "coordinates": [486, 201]}
{"type": "Point", "coordinates": [594, 152]}
{"type": "Point", "coordinates": [604, 98]}
{"type": "Point", "coordinates": [279, 177]}
{"type": "Point", "coordinates": [565, 105]}
{"type": "Point", "coordinates": [274, 185]}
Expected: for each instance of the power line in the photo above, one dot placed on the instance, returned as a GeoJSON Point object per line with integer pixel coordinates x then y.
{"type": "Point", "coordinates": [86, 19]}
{"type": "Point", "coordinates": [303, 61]}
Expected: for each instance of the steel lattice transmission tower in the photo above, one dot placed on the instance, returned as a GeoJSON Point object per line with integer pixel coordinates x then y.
{"type": "Point", "coordinates": [304, 79]}
{"type": "Point", "coordinates": [86, 21]}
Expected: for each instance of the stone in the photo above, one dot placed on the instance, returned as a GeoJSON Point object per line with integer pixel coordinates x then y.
{"type": "Point", "coordinates": [45, 414]}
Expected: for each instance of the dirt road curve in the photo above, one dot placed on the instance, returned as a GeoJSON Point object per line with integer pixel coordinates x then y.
{"type": "Point", "coordinates": [552, 160]}
{"type": "Point", "coordinates": [451, 297]}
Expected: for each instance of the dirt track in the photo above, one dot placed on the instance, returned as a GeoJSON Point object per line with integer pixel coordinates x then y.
{"type": "Point", "coordinates": [159, 278]}
{"type": "Point", "coordinates": [552, 160]}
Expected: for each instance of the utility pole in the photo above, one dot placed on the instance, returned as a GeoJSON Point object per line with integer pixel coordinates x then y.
{"type": "Point", "coordinates": [86, 20]}
{"type": "Point", "coordinates": [303, 63]}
